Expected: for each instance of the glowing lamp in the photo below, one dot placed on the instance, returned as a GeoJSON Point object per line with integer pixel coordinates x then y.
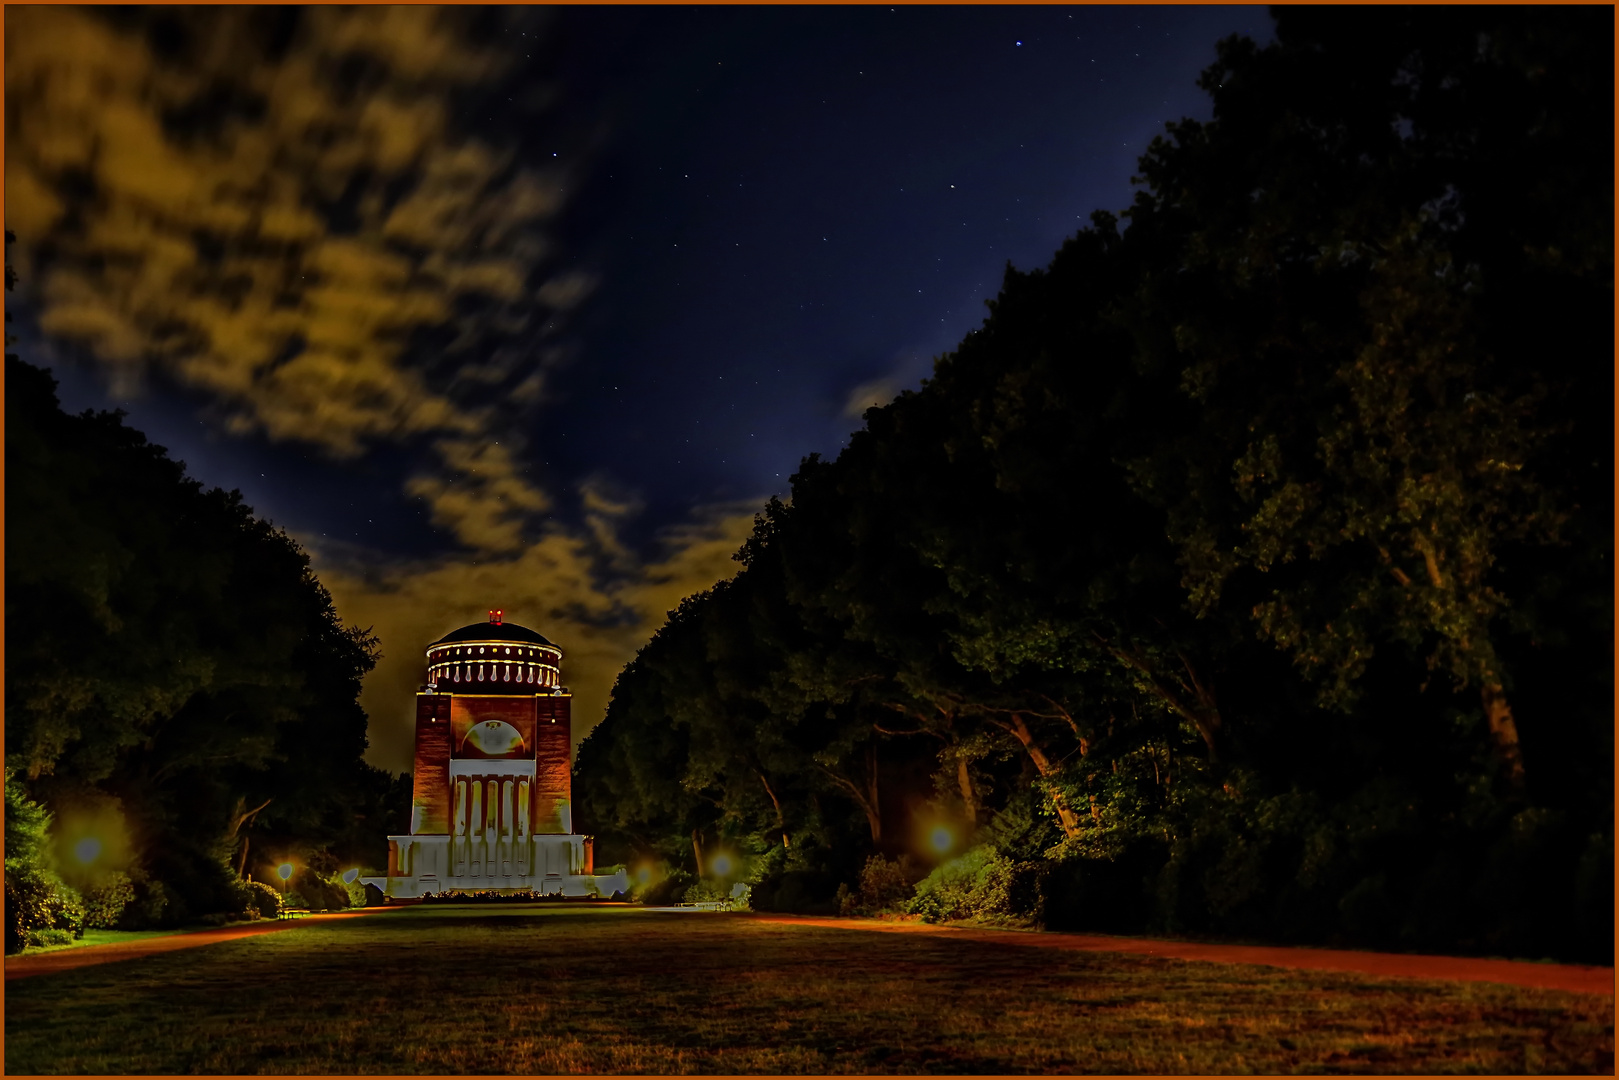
{"type": "Point", "coordinates": [349, 876]}
{"type": "Point", "coordinates": [644, 874]}
{"type": "Point", "coordinates": [87, 850]}
{"type": "Point", "coordinates": [942, 840]}
{"type": "Point", "coordinates": [285, 870]}
{"type": "Point", "coordinates": [721, 865]}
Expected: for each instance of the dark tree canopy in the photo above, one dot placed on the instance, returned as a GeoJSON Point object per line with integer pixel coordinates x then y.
{"type": "Point", "coordinates": [171, 654]}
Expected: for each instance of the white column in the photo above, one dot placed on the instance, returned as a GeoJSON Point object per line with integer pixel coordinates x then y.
{"type": "Point", "coordinates": [491, 836]}
{"type": "Point", "coordinates": [506, 828]}
{"type": "Point", "coordinates": [475, 866]}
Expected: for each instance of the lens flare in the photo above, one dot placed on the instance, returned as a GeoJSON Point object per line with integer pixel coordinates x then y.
{"type": "Point", "coordinates": [285, 870]}
{"type": "Point", "coordinates": [87, 850]}
{"type": "Point", "coordinates": [721, 865]}
{"type": "Point", "coordinates": [942, 840]}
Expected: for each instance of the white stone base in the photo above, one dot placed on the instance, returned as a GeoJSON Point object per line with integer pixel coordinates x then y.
{"type": "Point", "coordinates": [547, 865]}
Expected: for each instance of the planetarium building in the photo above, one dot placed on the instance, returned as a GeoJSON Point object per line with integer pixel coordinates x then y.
{"type": "Point", "coordinates": [490, 808]}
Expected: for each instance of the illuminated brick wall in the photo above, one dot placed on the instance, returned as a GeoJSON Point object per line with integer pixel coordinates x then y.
{"type": "Point", "coordinates": [553, 734]}
{"type": "Point", "coordinates": [547, 731]}
{"type": "Point", "coordinates": [430, 794]}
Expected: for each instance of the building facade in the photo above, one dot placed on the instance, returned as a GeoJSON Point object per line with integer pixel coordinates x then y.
{"type": "Point", "coordinates": [490, 807]}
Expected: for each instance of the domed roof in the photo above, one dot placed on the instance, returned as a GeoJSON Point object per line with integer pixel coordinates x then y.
{"type": "Point", "coordinates": [492, 631]}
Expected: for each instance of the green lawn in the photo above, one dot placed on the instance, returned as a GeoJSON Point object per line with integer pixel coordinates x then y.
{"type": "Point", "coordinates": [98, 937]}
{"type": "Point", "coordinates": [548, 989]}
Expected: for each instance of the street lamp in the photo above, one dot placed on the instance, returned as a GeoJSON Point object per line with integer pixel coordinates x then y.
{"type": "Point", "coordinates": [350, 875]}
{"type": "Point", "coordinates": [284, 872]}
{"type": "Point", "coordinates": [87, 850]}
{"type": "Point", "coordinates": [942, 840]}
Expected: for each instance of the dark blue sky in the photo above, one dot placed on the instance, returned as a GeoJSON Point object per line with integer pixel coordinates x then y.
{"type": "Point", "coordinates": [781, 206]}
{"type": "Point", "coordinates": [534, 308]}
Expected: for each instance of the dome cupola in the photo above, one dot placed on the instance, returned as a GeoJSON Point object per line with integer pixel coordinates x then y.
{"type": "Point", "coordinates": [496, 657]}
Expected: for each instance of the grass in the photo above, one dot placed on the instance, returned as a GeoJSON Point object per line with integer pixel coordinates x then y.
{"type": "Point", "coordinates": [97, 937]}
{"type": "Point", "coordinates": [549, 989]}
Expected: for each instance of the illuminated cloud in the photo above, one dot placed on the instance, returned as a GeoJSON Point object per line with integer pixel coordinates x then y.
{"type": "Point", "coordinates": [868, 395]}
{"type": "Point", "coordinates": [277, 227]}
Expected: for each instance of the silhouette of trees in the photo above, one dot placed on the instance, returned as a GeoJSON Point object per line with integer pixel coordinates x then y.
{"type": "Point", "coordinates": [1251, 565]}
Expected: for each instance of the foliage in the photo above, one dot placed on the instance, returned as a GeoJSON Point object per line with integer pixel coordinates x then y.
{"type": "Point", "coordinates": [1249, 571]}
{"type": "Point", "coordinates": [37, 901]}
{"type": "Point", "coordinates": [886, 886]}
{"type": "Point", "coordinates": [982, 885]}
{"type": "Point", "coordinates": [106, 899]}
{"type": "Point", "coordinates": [173, 654]}
{"type": "Point", "coordinates": [259, 897]}
{"type": "Point", "coordinates": [706, 891]}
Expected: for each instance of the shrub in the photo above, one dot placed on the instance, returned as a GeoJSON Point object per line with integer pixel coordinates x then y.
{"type": "Point", "coordinates": [666, 892]}
{"type": "Point", "coordinates": [50, 936]}
{"type": "Point", "coordinates": [105, 901]}
{"type": "Point", "coordinates": [982, 884]}
{"type": "Point", "coordinates": [801, 892]}
{"type": "Point", "coordinates": [262, 899]}
{"type": "Point", "coordinates": [154, 905]}
{"type": "Point", "coordinates": [886, 886]}
{"type": "Point", "coordinates": [705, 892]}
{"type": "Point", "coordinates": [38, 900]}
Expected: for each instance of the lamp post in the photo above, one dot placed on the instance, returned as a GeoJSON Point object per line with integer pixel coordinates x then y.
{"type": "Point", "coordinates": [284, 872]}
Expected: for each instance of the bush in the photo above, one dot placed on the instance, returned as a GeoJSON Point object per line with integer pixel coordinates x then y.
{"type": "Point", "coordinates": [669, 890]}
{"type": "Point", "coordinates": [261, 898]}
{"type": "Point", "coordinates": [37, 900]}
{"type": "Point", "coordinates": [41, 938]}
{"type": "Point", "coordinates": [105, 901]}
{"type": "Point", "coordinates": [706, 892]}
{"type": "Point", "coordinates": [800, 892]}
{"type": "Point", "coordinates": [886, 887]}
{"type": "Point", "coordinates": [154, 906]}
{"type": "Point", "coordinates": [982, 884]}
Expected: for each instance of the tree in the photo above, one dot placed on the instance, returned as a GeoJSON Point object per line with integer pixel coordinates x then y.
{"type": "Point", "coordinates": [169, 649]}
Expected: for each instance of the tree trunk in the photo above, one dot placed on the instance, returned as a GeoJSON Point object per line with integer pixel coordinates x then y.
{"type": "Point", "coordinates": [239, 818]}
{"type": "Point", "coordinates": [697, 849]}
{"type": "Point", "coordinates": [965, 782]}
{"type": "Point", "coordinates": [1065, 815]}
{"type": "Point", "coordinates": [1503, 732]}
{"type": "Point", "coordinates": [874, 807]}
{"type": "Point", "coordinates": [865, 799]}
{"type": "Point", "coordinates": [781, 822]}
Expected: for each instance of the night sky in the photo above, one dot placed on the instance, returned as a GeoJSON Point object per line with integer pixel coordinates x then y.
{"type": "Point", "coordinates": [534, 308]}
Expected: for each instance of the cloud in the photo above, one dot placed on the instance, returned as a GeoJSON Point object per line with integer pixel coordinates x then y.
{"type": "Point", "coordinates": [277, 225]}
{"type": "Point", "coordinates": [554, 586]}
{"type": "Point", "coordinates": [868, 395]}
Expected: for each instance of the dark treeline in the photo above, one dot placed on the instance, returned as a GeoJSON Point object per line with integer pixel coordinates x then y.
{"type": "Point", "coordinates": [180, 694]}
{"type": "Point", "coordinates": [1248, 571]}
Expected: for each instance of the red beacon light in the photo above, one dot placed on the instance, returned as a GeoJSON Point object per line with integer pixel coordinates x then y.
{"type": "Point", "coordinates": [495, 616]}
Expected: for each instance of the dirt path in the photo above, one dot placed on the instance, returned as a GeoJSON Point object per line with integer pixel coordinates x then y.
{"type": "Point", "coordinates": [20, 967]}
{"type": "Point", "coordinates": [1577, 978]}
